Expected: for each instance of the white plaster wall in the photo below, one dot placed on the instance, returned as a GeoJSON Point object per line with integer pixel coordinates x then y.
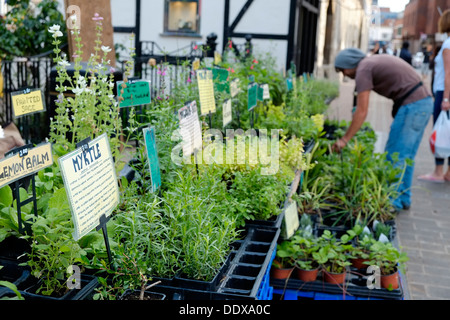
{"type": "Point", "coordinates": [263, 16]}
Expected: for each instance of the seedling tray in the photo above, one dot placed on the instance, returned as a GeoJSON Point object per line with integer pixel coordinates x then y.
{"type": "Point", "coordinates": [88, 285]}
{"type": "Point", "coordinates": [354, 286]}
{"type": "Point", "coordinates": [251, 264]}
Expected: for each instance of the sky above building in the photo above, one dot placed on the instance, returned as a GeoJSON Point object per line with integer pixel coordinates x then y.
{"type": "Point", "coordinates": [394, 5]}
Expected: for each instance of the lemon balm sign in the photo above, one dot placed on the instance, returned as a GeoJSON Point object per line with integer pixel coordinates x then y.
{"type": "Point", "coordinates": [91, 184]}
{"type": "Point", "coordinates": [25, 162]}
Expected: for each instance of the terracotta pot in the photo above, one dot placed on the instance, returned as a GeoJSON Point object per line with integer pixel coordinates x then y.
{"type": "Point", "coordinates": [281, 273]}
{"type": "Point", "coordinates": [358, 263]}
{"type": "Point", "coordinates": [307, 275]}
{"type": "Point", "coordinates": [389, 281]}
{"type": "Point", "coordinates": [334, 278]}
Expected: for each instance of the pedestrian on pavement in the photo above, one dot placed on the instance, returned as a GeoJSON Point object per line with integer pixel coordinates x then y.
{"type": "Point", "coordinates": [426, 61]}
{"type": "Point", "coordinates": [441, 91]}
{"type": "Point", "coordinates": [405, 54]}
{"type": "Point", "coordinates": [395, 79]}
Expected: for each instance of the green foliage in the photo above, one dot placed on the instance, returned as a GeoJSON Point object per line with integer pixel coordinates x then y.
{"type": "Point", "coordinates": [23, 31]}
{"type": "Point", "coordinates": [386, 257]}
{"type": "Point", "coordinates": [333, 253]}
{"type": "Point", "coordinates": [13, 287]}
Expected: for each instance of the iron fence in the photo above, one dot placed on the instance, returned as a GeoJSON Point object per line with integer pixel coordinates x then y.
{"type": "Point", "coordinates": [167, 71]}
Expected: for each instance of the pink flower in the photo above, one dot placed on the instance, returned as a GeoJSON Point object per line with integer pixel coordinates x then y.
{"type": "Point", "coordinates": [252, 66]}
{"type": "Point", "coordinates": [255, 61]}
{"type": "Point", "coordinates": [195, 47]}
{"type": "Point", "coordinates": [97, 17]}
{"type": "Point", "coordinates": [230, 44]}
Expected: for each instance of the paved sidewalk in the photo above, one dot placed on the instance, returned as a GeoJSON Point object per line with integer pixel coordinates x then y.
{"type": "Point", "coordinates": [423, 231]}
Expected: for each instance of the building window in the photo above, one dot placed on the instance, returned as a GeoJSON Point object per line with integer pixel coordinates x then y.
{"type": "Point", "coordinates": [182, 17]}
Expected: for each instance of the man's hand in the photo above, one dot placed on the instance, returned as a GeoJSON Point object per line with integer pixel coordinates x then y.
{"type": "Point", "coordinates": [339, 145]}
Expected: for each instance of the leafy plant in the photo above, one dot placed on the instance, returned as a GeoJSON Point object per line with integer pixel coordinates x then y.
{"type": "Point", "coordinates": [332, 254]}
{"type": "Point", "coordinates": [12, 287]}
{"type": "Point", "coordinates": [23, 16]}
{"type": "Point", "coordinates": [305, 247]}
{"type": "Point", "coordinates": [386, 257]}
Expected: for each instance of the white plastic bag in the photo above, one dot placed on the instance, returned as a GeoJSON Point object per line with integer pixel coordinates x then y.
{"type": "Point", "coordinates": [440, 137]}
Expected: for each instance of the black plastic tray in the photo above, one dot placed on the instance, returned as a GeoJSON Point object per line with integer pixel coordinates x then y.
{"type": "Point", "coordinates": [355, 285]}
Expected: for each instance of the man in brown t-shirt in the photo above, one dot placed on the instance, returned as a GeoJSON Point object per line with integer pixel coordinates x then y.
{"type": "Point", "coordinates": [395, 79]}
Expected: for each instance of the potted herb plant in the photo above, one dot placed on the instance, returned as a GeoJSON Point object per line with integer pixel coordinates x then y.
{"type": "Point", "coordinates": [333, 257]}
{"type": "Point", "coordinates": [306, 266]}
{"type": "Point", "coordinates": [361, 239]}
{"type": "Point", "coordinates": [283, 264]}
{"type": "Point", "coordinates": [389, 259]}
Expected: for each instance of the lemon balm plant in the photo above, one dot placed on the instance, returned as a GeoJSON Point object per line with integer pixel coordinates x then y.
{"type": "Point", "coordinates": [86, 104]}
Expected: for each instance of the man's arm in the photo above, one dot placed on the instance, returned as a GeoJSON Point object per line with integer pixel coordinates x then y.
{"type": "Point", "coordinates": [362, 109]}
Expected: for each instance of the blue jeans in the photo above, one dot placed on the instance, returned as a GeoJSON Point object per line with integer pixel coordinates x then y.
{"type": "Point", "coordinates": [404, 138]}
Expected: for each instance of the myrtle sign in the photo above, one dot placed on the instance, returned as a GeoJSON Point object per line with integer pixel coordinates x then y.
{"type": "Point", "coordinates": [91, 184]}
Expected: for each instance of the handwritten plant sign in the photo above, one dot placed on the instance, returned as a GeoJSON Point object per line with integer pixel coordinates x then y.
{"type": "Point", "coordinates": [227, 112]}
{"type": "Point", "coordinates": [91, 184]}
{"type": "Point", "coordinates": [27, 102]}
{"type": "Point", "coordinates": [135, 93]}
{"type": "Point", "coordinates": [25, 163]}
{"type": "Point", "coordinates": [221, 83]}
{"type": "Point", "coordinates": [152, 156]}
{"type": "Point", "coordinates": [206, 91]}
{"type": "Point", "coordinates": [190, 128]}
{"type": "Point", "coordinates": [252, 95]}
{"type": "Point", "coordinates": [234, 87]}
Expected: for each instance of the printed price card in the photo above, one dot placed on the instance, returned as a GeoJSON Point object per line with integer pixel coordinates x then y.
{"type": "Point", "coordinates": [227, 114]}
{"type": "Point", "coordinates": [135, 93]}
{"type": "Point", "coordinates": [190, 128]}
{"type": "Point", "coordinates": [91, 185]}
{"type": "Point", "coordinates": [152, 156]}
{"type": "Point", "coordinates": [291, 221]}
{"type": "Point", "coordinates": [206, 91]}
{"type": "Point", "coordinates": [27, 102]}
{"type": "Point", "coordinates": [25, 163]}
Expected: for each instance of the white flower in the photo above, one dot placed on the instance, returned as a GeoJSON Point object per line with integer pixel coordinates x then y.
{"type": "Point", "coordinates": [64, 63]}
{"type": "Point", "coordinates": [54, 28]}
{"type": "Point", "coordinates": [2, 133]}
{"type": "Point", "coordinates": [78, 90]}
{"type": "Point", "coordinates": [57, 34]}
{"type": "Point", "coordinates": [106, 49]}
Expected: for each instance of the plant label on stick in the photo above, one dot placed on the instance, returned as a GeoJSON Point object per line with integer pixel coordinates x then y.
{"type": "Point", "coordinates": [291, 221]}
{"type": "Point", "coordinates": [265, 91]}
{"type": "Point", "coordinates": [91, 185]}
{"type": "Point", "coordinates": [152, 157]}
{"type": "Point", "coordinates": [220, 76]}
{"type": "Point", "coordinates": [190, 128]}
{"type": "Point", "coordinates": [135, 93]}
{"type": "Point", "coordinates": [27, 102]}
{"type": "Point", "coordinates": [227, 113]}
{"type": "Point", "coordinates": [25, 162]}
{"type": "Point", "coordinates": [234, 87]}
{"type": "Point", "coordinates": [206, 91]}
{"type": "Point", "coordinates": [252, 96]}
